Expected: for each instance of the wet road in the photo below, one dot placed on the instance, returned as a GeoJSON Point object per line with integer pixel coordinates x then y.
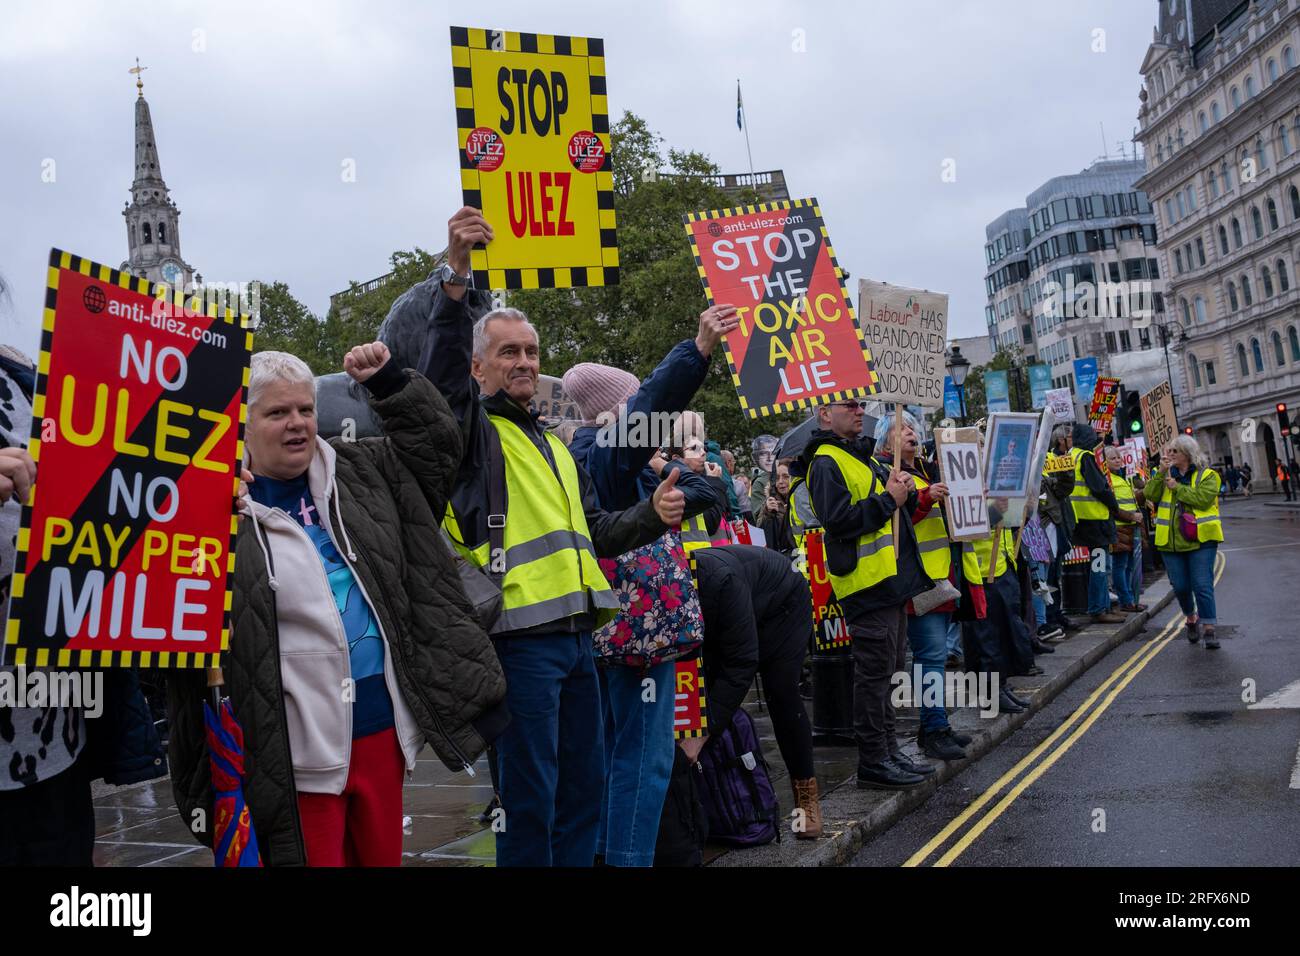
{"type": "Point", "coordinates": [1155, 757]}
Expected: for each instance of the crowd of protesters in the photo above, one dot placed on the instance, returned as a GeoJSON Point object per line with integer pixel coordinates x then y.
{"type": "Point", "coordinates": [473, 581]}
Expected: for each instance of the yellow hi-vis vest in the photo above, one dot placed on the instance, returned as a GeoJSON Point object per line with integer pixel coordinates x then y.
{"type": "Point", "coordinates": [1208, 525]}
{"type": "Point", "coordinates": [932, 540]}
{"type": "Point", "coordinates": [970, 563]}
{"type": "Point", "coordinates": [983, 552]}
{"type": "Point", "coordinates": [876, 555]}
{"type": "Point", "coordinates": [1124, 496]}
{"type": "Point", "coordinates": [476, 556]}
{"type": "Point", "coordinates": [797, 529]}
{"type": "Point", "coordinates": [1085, 505]}
{"type": "Point", "coordinates": [695, 533]}
{"type": "Point", "coordinates": [551, 569]}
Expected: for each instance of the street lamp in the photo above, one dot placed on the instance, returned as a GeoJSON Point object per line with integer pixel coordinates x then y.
{"type": "Point", "coordinates": [958, 368]}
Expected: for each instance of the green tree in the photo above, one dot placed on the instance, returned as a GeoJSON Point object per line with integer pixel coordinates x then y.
{"type": "Point", "coordinates": [286, 325]}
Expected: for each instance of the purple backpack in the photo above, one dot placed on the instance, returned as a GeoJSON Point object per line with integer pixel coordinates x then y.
{"type": "Point", "coordinates": [738, 797]}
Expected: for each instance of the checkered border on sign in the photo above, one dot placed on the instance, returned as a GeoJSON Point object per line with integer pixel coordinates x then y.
{"type": "Point", "coordinates": [799, 403]}
{"type": "Point", "coordinates": [464, 39]}
{"type": "Point", "coordinates": [64, 657]}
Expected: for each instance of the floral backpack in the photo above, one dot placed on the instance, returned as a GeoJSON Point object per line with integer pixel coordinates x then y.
{"type": "Point", "coordinates": [659, 617]}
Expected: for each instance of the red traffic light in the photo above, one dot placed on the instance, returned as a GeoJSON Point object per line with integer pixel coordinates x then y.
{"type": "Point", "coordinates": [1187, 430]}
{"type": "Point", "coordinates": [1281, 407]}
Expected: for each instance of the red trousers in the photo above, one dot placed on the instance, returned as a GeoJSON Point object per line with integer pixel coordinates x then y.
{"type": "Point", "coordinates": [362, 826]}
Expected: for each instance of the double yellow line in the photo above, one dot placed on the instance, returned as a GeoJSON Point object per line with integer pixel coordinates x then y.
{"type": "Point", "coordinates": [1116, 682]}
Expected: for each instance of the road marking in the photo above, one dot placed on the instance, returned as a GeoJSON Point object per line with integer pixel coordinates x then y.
{"type": "Point", "coordinates": [1286, 698]}
{"type": "Point", "coordinates": [1127, 671]}
{"type": "Point", "coordinates": [1295, 772]}
{"type": "Point", "coordinates": [1258, 547]}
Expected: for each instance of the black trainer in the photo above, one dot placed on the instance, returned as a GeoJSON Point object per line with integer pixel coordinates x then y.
{"type": "Point", "coordinates": [1193, 632]}
{"type": "Point", "coordinates": [905, 763]}
{"type": "Point", "coordinates": [942, 746]}
{"type": "Point", "coordinates": [1211, 642]}
{"type": "Point", "coordinates": [1009, 705]}
{"type": "Point", "coordinates": [886, 775]}
{"type": "Point", "coordinates": [963, 740]}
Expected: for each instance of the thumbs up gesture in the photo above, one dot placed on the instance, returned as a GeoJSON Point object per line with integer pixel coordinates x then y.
{"type": "Point", "coordinates": [669, 500]}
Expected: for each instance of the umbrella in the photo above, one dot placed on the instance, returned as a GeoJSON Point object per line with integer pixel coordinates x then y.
{"type": "Point", "coordinates": [234, 843]}
{"type": "Point", "coordinates": [793, 442]}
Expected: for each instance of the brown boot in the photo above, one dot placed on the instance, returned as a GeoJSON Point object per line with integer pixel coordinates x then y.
{"type": "Point", "coordinates": [805, 798]}
{"type": "Point", "coordinates": [1108, 618]}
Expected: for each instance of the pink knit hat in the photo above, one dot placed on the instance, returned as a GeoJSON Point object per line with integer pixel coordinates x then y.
{"type": "Point", "coordinates": [598, 388]}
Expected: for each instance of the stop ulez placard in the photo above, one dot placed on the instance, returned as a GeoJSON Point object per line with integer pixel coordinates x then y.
{"type": "Point", "coordinates": [125, 548]}
{"type": "Point", "coordinates": [533, 140]}
{"type": "Point", "coordinates": [798, 343]}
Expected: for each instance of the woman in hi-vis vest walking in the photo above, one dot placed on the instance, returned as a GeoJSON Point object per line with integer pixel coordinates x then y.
{"type": "Point", "coordinates": [1185, 491]}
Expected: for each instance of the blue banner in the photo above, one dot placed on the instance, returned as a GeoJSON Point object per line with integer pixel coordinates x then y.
{"type": "Point", "coordinates": [1040, 380]}
{"type": "Point", "coordinates": [1085, 379]}
{"type": "Point", "coordinates": [996, 394]}
{"type": "Point", "coordinates": [951, 398]}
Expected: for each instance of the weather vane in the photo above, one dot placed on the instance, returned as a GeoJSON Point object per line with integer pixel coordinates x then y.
{"type": "Point", "coordinates": [137, 70]}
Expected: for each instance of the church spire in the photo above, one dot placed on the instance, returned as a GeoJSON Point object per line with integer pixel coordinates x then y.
{"type": "Point", "coordinates": [152, 219]}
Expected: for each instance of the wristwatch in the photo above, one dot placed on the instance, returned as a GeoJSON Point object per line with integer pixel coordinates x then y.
{"type": "Point", "coordinates": [448, 275]}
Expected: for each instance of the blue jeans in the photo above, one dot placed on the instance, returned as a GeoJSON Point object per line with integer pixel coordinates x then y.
{"type": "Point", "coordinates": [1122, 577]}
{"type": "Point", "coordinates": [1040, 606]}
{"type": "Point", "coordinates": [638, 760]}
{"type": "Point", "coordinates": [928, 635]}
{"type": "Point", "coordinates": [1098, 587]}
{"type": "Point", "coordinates": [1191, 575]}
{"type": "Point", "coordinates": [955, 646]}
{"type": "Point", "coordinates": [551, 757]}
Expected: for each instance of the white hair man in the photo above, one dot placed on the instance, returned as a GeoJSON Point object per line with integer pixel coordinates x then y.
{"type": "Point", "coordinates": [525, 510]}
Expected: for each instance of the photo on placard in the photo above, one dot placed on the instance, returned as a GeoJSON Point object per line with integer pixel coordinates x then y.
{"type": "Point", "coordinates": [1009, 453]}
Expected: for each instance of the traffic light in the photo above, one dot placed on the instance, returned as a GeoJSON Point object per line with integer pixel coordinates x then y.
{"type": "Point", "coordinates": [1187, 430]}
{"type": "Point", "coordinates": [1130, 415]}
{"type": "Point", "coordinates": [1283, 420]}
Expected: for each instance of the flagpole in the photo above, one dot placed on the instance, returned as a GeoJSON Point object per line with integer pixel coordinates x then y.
{"type": "Point", "coordinates": [748, 152]}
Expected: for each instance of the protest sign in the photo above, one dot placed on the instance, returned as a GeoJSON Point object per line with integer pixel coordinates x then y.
{"type": "Point", "coordinates": [124, 553]}
{"type": "Point", "coordinates": [690, 707]}
{"type": "Point", "coordinates": [1008, 453]}
{"type": "Point", "coordinates": [551, 403]}
{"type": "Point", "coordinates": [1158, 416]}
{"type": "Point", "coordinates": [1085, 378]}
{"type": "Point", "coordinates": [830, 628]}
{"type": "Point", "coordinates": [1061, 402]}
{"type": "Point", "coordinates": [951, 398]}
{"type": "Point", "coordinates": [1101, 412]}
{"type": "Point", "coordinates": [798, 344]}
{"type": "Point", "coordinates": [534, 155]}
{"type": "Point", "coordinates": [1040, 383]}
{"type": "Point", "coordinates": [906, 331]}
{"type": "Point", "coordinates": [958, 451]}
{"type": "Point", "coordinates": [1131, 456]}
{"type": "Point", "coordinates": [1055, 464]}
{"type": "Point", "coordinates": [996, 394]}
{"type": "Point", "coordinates": [1041, 451]}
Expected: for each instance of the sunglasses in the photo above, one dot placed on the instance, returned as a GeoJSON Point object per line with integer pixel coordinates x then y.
{"type": "Point", "coordinates": [860, 406]}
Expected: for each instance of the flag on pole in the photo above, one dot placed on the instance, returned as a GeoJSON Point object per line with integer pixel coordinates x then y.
{"type": "Point", "coordinates": [739, 106]}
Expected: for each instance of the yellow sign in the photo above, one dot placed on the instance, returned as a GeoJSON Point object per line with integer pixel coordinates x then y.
{"type": "Point", "coordinates": [1057, 463]}
{"type": "Point", "coordinates": [533, 133]}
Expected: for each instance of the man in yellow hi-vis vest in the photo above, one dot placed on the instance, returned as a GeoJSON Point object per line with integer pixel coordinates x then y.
{"type": "Point", "coordinates": [873, 574]}
{"type": "Point", "coordinates": [1093, 502]}
{"type": "Point", "coordinates": [551, 530]}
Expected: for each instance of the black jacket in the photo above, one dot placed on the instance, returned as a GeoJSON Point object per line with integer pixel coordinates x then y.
{"type": "Point", "coordinates": [1093, 533]}
{"type": "Point", "coordinates": [744, 591]}
{"type": "Point", "coordinates": [845, 521]}
{"type": "Point", "coordinates": [391, 492]}
{"type": "Point", "coordinates": [445, 361]}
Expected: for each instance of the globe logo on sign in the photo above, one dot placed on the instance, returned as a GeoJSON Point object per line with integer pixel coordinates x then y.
{"type": "Point", "coordinates": [94, 299]}
{"type": "Point", "coordinates": [715, 229]}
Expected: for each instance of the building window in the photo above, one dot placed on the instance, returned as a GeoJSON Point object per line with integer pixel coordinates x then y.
{"type": "Point", "coordinates": [1178, 261]}
{"type": "Point", "coordinates": [1214, 185]}
{"type": "Point", "coordinates": [1125, 344]}
{"type": "Point", "coordinates": [1241, 360]}
{"type": "Point", "coordinates": [1110, 341]}
{"type": "Point", "coordinates": [1257, 221]}
{"type": "Point", "coordinates": [162, 232]}
{"type": "Point", "coordinates": [1209, 374]}
{"type": "Point", "coordinates": [1201, 122]}
{"type": "Point", "coordinates": [1278, 355]}
{"type": "Point", "coordinates": [1195, 366]}
{"type": "Point", "coordinates": [1223, 240]}
{"type": "Point", "coordinates": [1282, 281]}
{"type": "Point", "coordinates": [1191, 198]}
{"type": "Point", "coordinates": [1250, 87]}
{"type": "Point", "coordinates": [1215, 112]}
{"type": "Point", "coordinates": [1200, 309]}
{"type": "Point", "coordinates": [1226, 170]}
{"type": "Point", "coordinates": [1284, 139]}
{"type": "Point", "coordinates": [1267, 278]}
{"type": "Point", "coordinates": [1288, 58]}
{"type": "Point", "coordinates": [1261, 152]}
{"type": "Point", "coordinates": [1294, 341]}
{"type": "Point", "coordinates": [1234, 97]}
{"type": "Point", "coordinates": [1236, 233]}
{"type": "Point", "coordinates": [1295, 203]}
{"type": "Point", "coordinates": [1246, 292]}
{"type": "Point", "coordinates": [1144, 338]}
{"type": "Point", "coordinates": [1257, 354]}
{"type": "Point", "coordinates": [1271, 69]}
{"type": "Point", "coordinates": [1170, 219]}
{"type": "Point", "coordinates": [1200, 250]}
{"type": "Point", "coordinates": [1187, 312]}
{"type": "Point", "coordinates": [1272, 215]}
{"type": "Point", "coordinates": [1232, 297]}
{"type": "Point", "coordinates": [147, 234]}
{"type": "Point", "coordinates": [1182, 210]}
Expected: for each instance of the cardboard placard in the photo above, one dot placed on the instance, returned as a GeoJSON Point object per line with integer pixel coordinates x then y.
{"type": "Point", "coordinates": [961, 468]}
{"type": "Point", "coordinates": [1158, 418]}
{"type": "Point", "coordinates": [1105, 397]}
{"type": "Point", "coordinates": [1061, 402]}
{"type": "Point", "coordinates": [830, 627]}
{"type": "Point", "coordinates": [798, 343]}
{"type": "Point", "coordinates": [906, 331]}
{"type": "Point", "coordinates": [1055, 464]}
{"type": "Point", "coordinates": [1008, 453]}
{"type": "Point", "coordinates": [690, 705]}
{"type": "Point", "coordinates": [1041, 450]}
{"type": "Point", "coordinates": [551, 403]}
{"type": "Point", "coordinates": [533, 141]}
{"type": "Point", "coordinates": [125, 553]}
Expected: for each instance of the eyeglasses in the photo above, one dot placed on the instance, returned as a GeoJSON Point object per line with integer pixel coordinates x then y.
{"type": "Point", "coordinates": [860, 406]}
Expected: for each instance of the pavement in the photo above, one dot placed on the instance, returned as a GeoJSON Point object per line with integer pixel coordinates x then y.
{"type": "Point", "coordinates": [139, 825]}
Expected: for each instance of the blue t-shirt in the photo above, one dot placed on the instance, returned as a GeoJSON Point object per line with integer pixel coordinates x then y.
{"type": "Point", "coordinates": [372, 710]}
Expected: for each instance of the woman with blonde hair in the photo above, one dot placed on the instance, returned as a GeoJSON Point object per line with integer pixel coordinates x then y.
{"type": "Point", "coordinates": [1185, 491]}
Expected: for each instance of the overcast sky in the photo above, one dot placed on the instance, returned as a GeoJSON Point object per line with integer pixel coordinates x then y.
{"type": "Point", "coordinates": [256, 106]}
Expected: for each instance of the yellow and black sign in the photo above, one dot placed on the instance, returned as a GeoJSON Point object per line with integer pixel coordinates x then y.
{"type": "Point", "coordinates": [534, 145]}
